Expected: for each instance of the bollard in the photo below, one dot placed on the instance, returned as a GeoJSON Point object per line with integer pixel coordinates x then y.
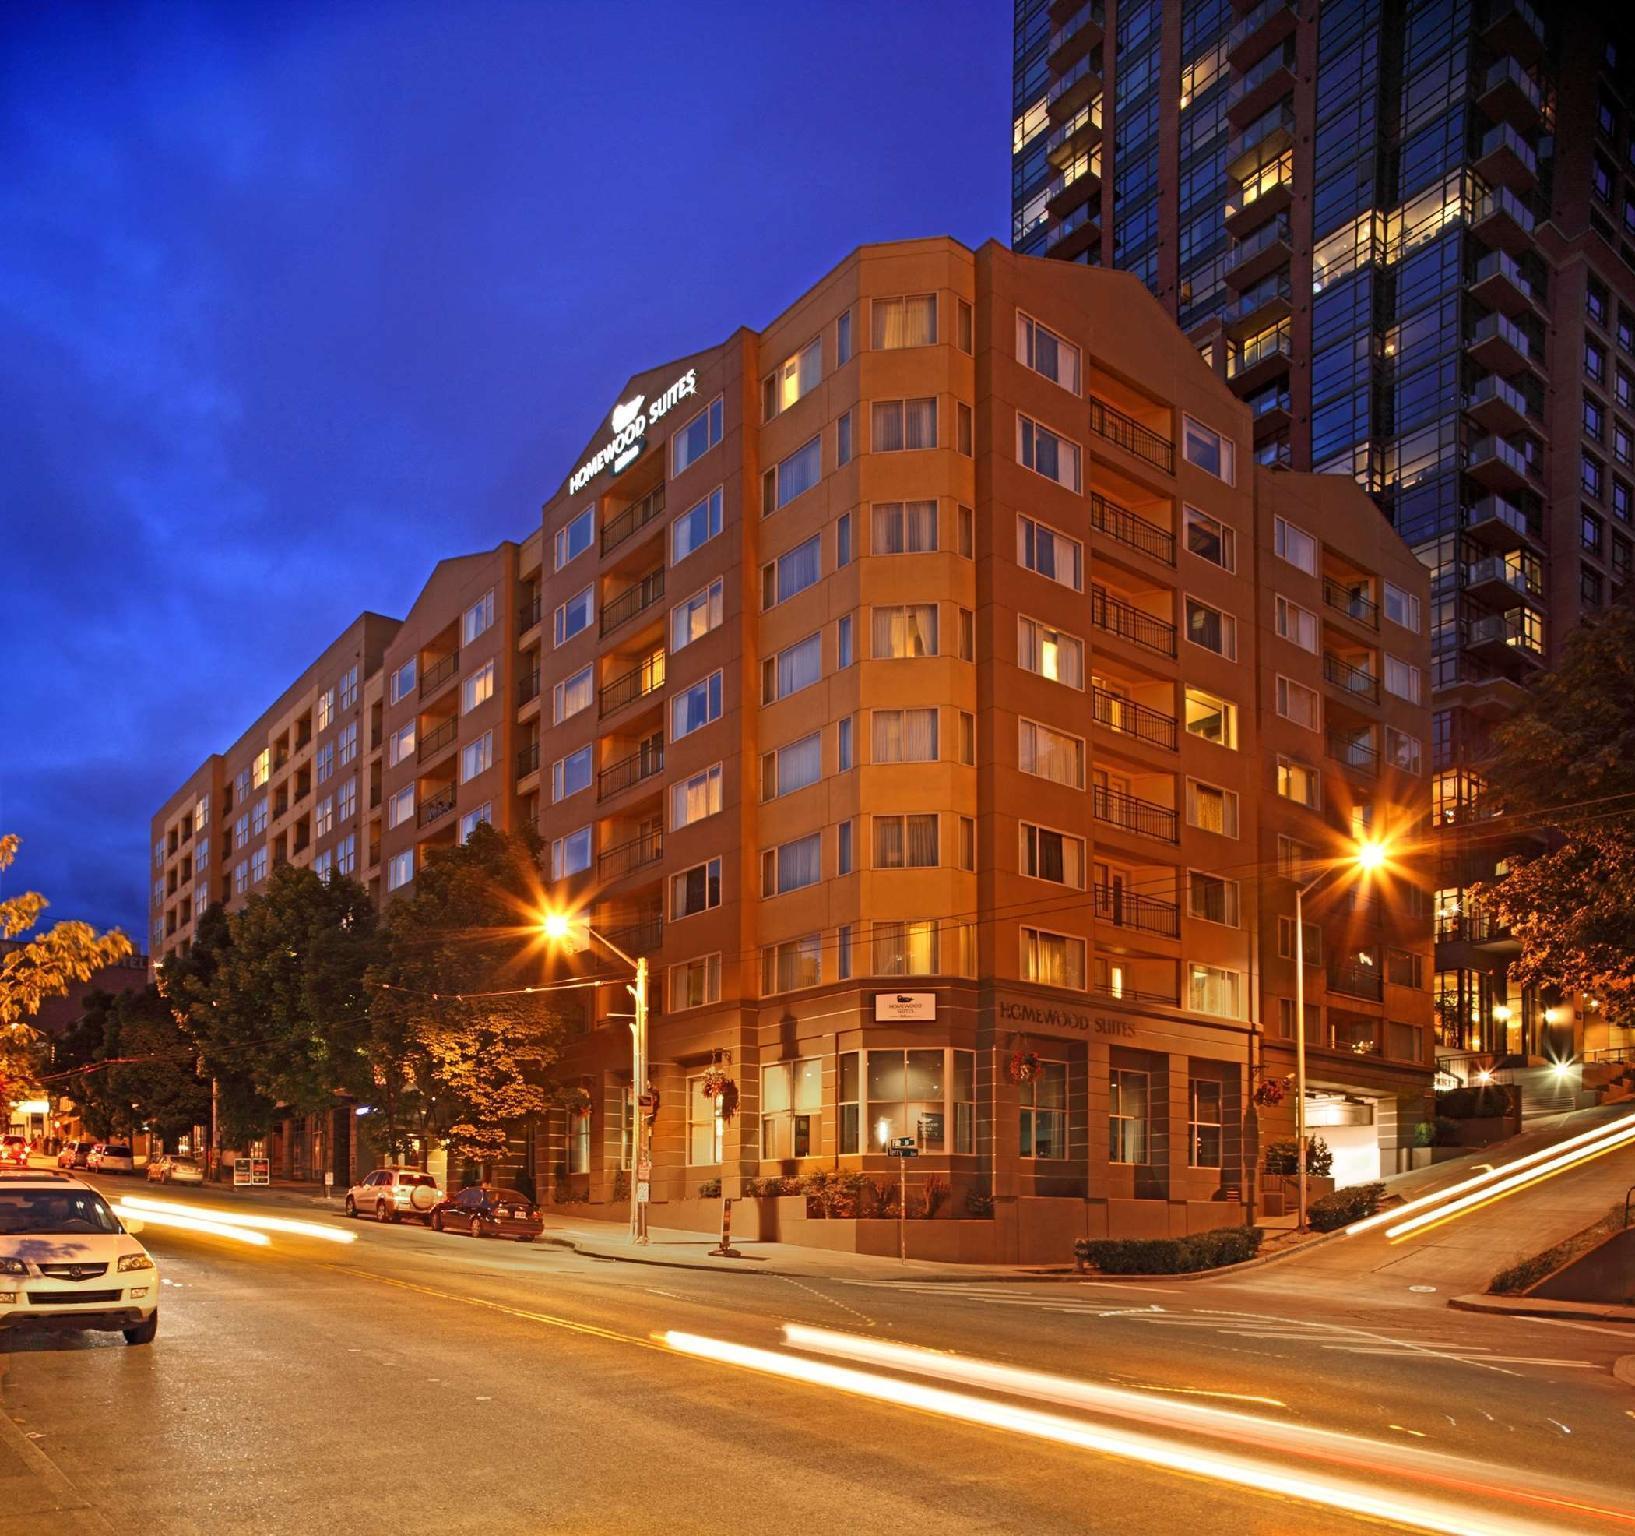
{"type": "Point", "coordinates": [724, 1249]}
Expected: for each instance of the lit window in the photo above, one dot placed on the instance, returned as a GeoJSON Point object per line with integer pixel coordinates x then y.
{"type": "Point", "coordinates": [1214, 989]}
{"type": "Point", "coordinates": [792, 1101]}
{"type": "Point", "coordinates": [697, 615]}
{"type": "Point", "coordinates": [1211, 718]}
{"type": "Point", "coordinates": [478, 688]}
{"type": "Point", "coordinates": [261, 770]}
{"type": "Point", "coordinates": [907, 630]}
{"type": "Point", "coordinates": [1211, 808]}
{"type": "Point", "coordinates": [324, 715]}
{"type": "Point", "coordinates": [792, 378]}
{"type": "Point", "coordinates": [905, 322]}
{"type": "Point", "coordinates": [1051, 653]}
{"type": "Point", "coordinates": [1297, 782]}
{"type": "Point", "coordinates": [695, 983]}
{"type": "Point", "coordinates": [1052, 959]}
{"type": "Point", "coordinates": [695, 797]}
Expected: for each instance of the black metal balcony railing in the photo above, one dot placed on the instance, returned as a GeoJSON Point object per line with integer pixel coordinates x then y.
{"type": "Point", "coordinates": [434, 741]}
{"type": "Point", "coordinates": [1357, 981]}
{"type": "Point", "coordinates": [1356, 752]}
{"type": "Point", "coordinates": [643, 937]}
{"type": "Point", "coordinates": [627, 857]}
{"type": "Point", "coordinates": [437, 807]}
{"type": "Point", "coordinates": [627, 687]}
{"type": "Point", "coordinates": [1123, 994]}
{"type": "Point", "coordinates": [528, 688]}
{"type": "Point", "coordinates": [1130, 623]}
{"type": "Point", "coordinates": [1128, 909]}
{"type": "Point", "coordinates": [643, 763]}
{"type": "Point", "coordinates": [634, 518]}
{"type": "Point", "coordinates": [1353, 679]}
{"type": "Point", "coordinates": [530, 612]}
{"type": "Point", "coordinates": [633, 600]}
{"type": "Point", "coordinates": [1350, 602]}
{"type": "Point", "coordinates": [528, 760]}
{"type": "Point", "coordinates": [1131, 719]}
{"type": "Point", "coordinates": [1129, 434]}
{"type": "Point", "coordinates": [438, 673]}
{"type": "Point", "coordinates": [1130, 528]}
{"type": "Point", "coordinates": [1134, 815]}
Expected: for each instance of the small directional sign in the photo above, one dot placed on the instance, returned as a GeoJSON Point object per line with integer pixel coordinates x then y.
{"type": "Point", "coordinates": [903, 1146]}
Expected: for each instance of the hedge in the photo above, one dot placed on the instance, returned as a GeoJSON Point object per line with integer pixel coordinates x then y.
{"type": "Point", "coordinates": [1169, 1255]}
{"type": "Point", "coordinates": [1478, 1101]}
{"type": "Point", "coordinates": [1344, 1206]}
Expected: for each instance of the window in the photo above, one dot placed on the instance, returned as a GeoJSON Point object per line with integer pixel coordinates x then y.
{"type": "Point", "coordinates": [477, 757]}
{"type": "Point", "coordinates": [792, 378]}
{"type": "Point", "coordinates": [325, 711]}
{"type": "Point", "coordinates": [700, 523]}
{"type": "Point", "coordinates": [906, 842]}
{"type": "Point", "coordinates": [478, 618]}
{"type": "Point", "coordinates": [477, 688]}
{"type": "Point", "coordinates": [1050, 855]}
{"type": "Point", "coordinates": [845, 850]}
{"type": "Point", "coordinates": [706, 1131]}
{"type": "Point", "coordinates": [1403, 968]}
{"type": "Point", "coordinates": [483, 816]}
{"type": "Point", "coordinates": [1211, 718]}
{"type": "Point", "coordinates": [575, 536]}
{"type": "Point", "coordinates": [906, 947]}
{"type": "Point", "coordinates": [323, 817]}
{"type": "Point", "coordinates": [695, 439]}
{"type": "Point", "coordinates": [905, 322]}
{"type": "Point", "coordinates": [694, 617]}
{"type": "Point", "coordinates": [1589, 587]}
{"type": "Point", "coordinates": [1402, 679]}
{"type": "Point", "coordinates": [967, 532]}
{"type": "Point", "coordinates": [1209, 538]}
{"type": "Point", "coordinates": [904, 527]}
{"type": "Point", "coordinates": [346, 854]}
{"type": "Point", "coordinates": [1589, 532]}
{"type": "Point", "coordinates": [845, 651]}
{"type": "Point", "coordinates": [402, 682]}
{"type": "Point", "coordinates": [1591, 475]}
{"type": "Point", "coordinates": [1295, 545]}
{"type": "Point", "coordinates": [791, 1108]}
{"type": "Point", "coordinates": [904, 736]}
{"type": "Point", "coordinates": [348, 743]}
{"type": "Point", "coordinates": [695, 890]}
{"type": "Point", "coordinates": [902, 425]}
{"type": "Point", "coordinates": [1041, 549]}
{"type": "Point", "coordinates": [967, 843]}
{"type": "Point", "coordinates": [965, 321]}
{"type": "Point", "coordinates": [261, 769]}
{"type": "Point", "coordinates": [399, 869]}
{"type": "Point", "coordinates": [843, 339]}
{"type": "Point", "coordinates": [695, 707]}
{"type": "Point", "coordinates": [1403, 752]}
{"type": "Point", "coordinates": [1052, 959]}
{"type": "Point", "coordinates": [909, 1093]}
{"type": "Point", "coordinates": [1050, 754]}
{"type": "Point", "coordinates": [792, 866]}
{"type": "Point", "coordinates": [575, 615]}
{"type": "Point", "coordinates": [400, 808]}
{"type": "Point", "coordinates": [1311, 941]}
{"type": "Point", "coordinates": [241, 786]}
{"type": "Point", "coordinates": [781, 484]}
{"type": "Point", "coordinates": [1128, 1097]}
{"type": "Point", "coordinates": [1042, 350]}
{"type": "Point", "coordinates": [323, 762]}
{"type": "Point", "coordinates": [695, 798]}
{"type": "Point", "coordinates": [1212, 899]}
{"type": "Point", "coordinates": [321, 864]}
{"type": "Point", "coordinates": [241, 831]}
{"type": "Point", "coordinates": [1298, 703]}
{"type": "Point", "coordinates": [1297, 782]}
{"type": "Point", "coordinates": [1595, 361]}
{"type": "Point", "coordinates": [1297, 625]}
{"type": "Point", "coordinates": [258, 816]}
{"type": "Point", "coordinates": [349, 688]}
{"type": "Point", "coordinates": [1595, 418]}
{"type": "Point", "coordinates": [843, 540]}
{"type": "Point", "coordinates": [346, 800]}
{"type": "Point", "coordinates": [570, 855]}
{"type": "Point", "coordinates": [571, 695]}
{"type": "Point", "coordinates": [1051, 653]}
{"type": "Point", "coordinates": [1204, 1123]}
{"type": "Point", "coordinates": [241, 877]}
{"type": "Point", "coordinates": [1214, 989]}
{"type": "Point", "coordinates": [695, 983]}
{"type": "Point", "coordinates": [1046, 453]}
{"type": "Point", "coordinates": [258, 866]}
{"type": "Point", "coordinates": [844, 444]}
{"type": "Point", "coordinates": [791, 573]}
{"type": "Point", "coordinates": [1210, 628]}
{"type": "Point", "coordinates": [1211, 452]}
{"type": "Point", "coordinates": [795, 667]}
{"type": "Point", "coordinates": [792, 964]}
{"type": "Point", "coordinates": [845, 757]}
{"type": "Point", "coordinates": [905, 631]}
{"type": "Point", "coordinates": [967, 635]}
{"type": "Point", "coordinates": [569, 775]}
{"type": "Point", "coordinates": [1042, 1101]}
{"type": "Point", "coordinates": [1211, 808]}
{"type": "Point", "coordinates": [792, 767]}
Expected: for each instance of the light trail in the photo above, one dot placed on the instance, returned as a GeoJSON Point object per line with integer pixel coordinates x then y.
{"type": "Point", "coordinates": [1258, 1477]}
{"type": "Point", "coordinates": [142, 1204]}
{"type": "Point", "coordinates": [1617, 1133]}
{"type": "Point", "coordinates": [185, 1223]}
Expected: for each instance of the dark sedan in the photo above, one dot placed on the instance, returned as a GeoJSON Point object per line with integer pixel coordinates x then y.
{"type": "Point", "coordinates": [479, 1212]}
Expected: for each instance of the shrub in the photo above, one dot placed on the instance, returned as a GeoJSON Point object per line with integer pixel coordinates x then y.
{"type": "Point", "coordinates": [830, 1193]}
{"type": "Point", "coordinates": [1344, 1206]}
{"type": "Point", "coordinates": [1424, 1134]}
{"type": "Point", "coordinates": [1169, 1255]}
{"type": "Point", "coordinates": [1447, 1132]}
{"type": "Point", "coordinates": [1477, 1101]}
{"type": "Point", "coordinates": [932, 1197]}
{"type": "Point", "coordinates": [621, 1185]}
{"type": "Point", "coordinates": [1283, 1157]}
{"type": "Point", "coordinates": [762, 1189]}
{"type": "Point", "coordinates": [978, 1204]}
{"type": "Point", "coordinates": [710, 1189]}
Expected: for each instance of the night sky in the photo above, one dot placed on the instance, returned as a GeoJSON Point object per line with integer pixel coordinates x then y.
{"type": "Point", "coordinates": [297, 300]}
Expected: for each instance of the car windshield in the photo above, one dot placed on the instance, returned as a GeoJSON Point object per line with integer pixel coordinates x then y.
{"type": "Point", "coordinates": [28, 1212]}
{"type": "Point", "coordinates": [116, 1151]}
{"type": "Point", "coordinates": [419, 1180]}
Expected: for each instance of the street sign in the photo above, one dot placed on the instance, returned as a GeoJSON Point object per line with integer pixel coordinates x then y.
{"type": "Point", "coordinates": [902, 1151]}
{"type": "Point", "coordinates": [642, 1192]}
{"type": "Point", "coordinates": [644, 1171]}
{"type": "Point", "coordinates": [904, 1141]}
{"type": "Point", "coordinates": [648, 1100]}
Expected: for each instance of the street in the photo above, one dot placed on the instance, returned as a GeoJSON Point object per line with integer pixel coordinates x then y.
{"type": "Point", "coordinates": [414, 1381]}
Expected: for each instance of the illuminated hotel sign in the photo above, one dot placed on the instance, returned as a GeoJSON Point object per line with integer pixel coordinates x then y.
{"type": "Point", "coordinates": [629, 422]}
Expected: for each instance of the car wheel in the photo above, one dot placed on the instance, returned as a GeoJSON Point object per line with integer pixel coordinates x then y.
{"type": "Point", "coordinates": [476, 1227]}
{"type": "Point", "coordinates": [351, 1206]}
{"type": "Point", "coordinates": [143, 1332]}
{"type": "Point", "coordinates": [383, 1212]}
{"type": "Point", "coordinates": [527, 1237]}
{"type": "Point", "coordinates": [437, 1221]}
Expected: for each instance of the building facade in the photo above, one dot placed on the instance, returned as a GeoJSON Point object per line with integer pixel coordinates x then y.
{"type": "Point", "coordinates": [1404, 233]}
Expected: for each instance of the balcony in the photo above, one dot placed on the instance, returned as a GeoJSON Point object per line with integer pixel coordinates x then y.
{"type": "Point", "coordinates": [1499, 345]}
{"type": "Point", "coordinates": [1131, 529]}
{"type": "Point", "coordinates": [1272, 409]}
{"type": "Point", "coordinates": [644, 678]}
{"type": "Point", "coordinates": [1128, 909]}
{"type": "Point", "coordinates": [528, 760]}
{"type": "Point", "coordinates": [529, 612]}
{"type": "Point", "coordinates": [1257, 33]}
{"type": "Point", "coordinates": [646, 761]}
{"type": "Point", "coordinates": [1072, 90]}
{"type": "Point", "coordinates": [1074, 232]}
{"type": "Point", "coordinates": [438, 674]}
{"type": "Point", "coordinates": [1080, 32]}
{"type": "Point", "coordinates": [1267, 192]}
{"type": "Point", "coordinates": [1362, 981]}
{"type": "Point", "coordinates": [528, 688]}
{"type": "Point", "coordinates": [1260, 143]}
{"type": "Point", "coordinates": [437, 807]}
{"type": "Point", "coordinates": [1146, 818]}
{"type": "Point", "coordinates": [1506, 159]}
{"type": "Point", "coordinates": [1259, 86]}
{"type": "Point", "coordinates": [1353, 681]}
{"type": "Point", "coordinates": [1256, 308]}
{"type": "Point", "coordinates": [1495, 583]}
{"type": "Point", "coordinates": [1255, 362]}
{"type": "Point", "coordinates": [1114, 616]}
{"type": "Point", "coordinates": [1509, 94]}
{"type": "Point", "coordinates": [1498, 284]}
{"type": "Point", "coordinates": [1492, 462]}
{"type": "Point", "coordinates": [1251, 258]}
{"type": "Point", "coordinates": [1497, 406]}
{"type": "Point", "coordinates": [1128, 718]}
{"type": "Point", "coordinates": [632, 520]}
{"type": "Point", "coordinates": [1501, 220]}
{"type": "Point", "coordinates": [634, 600]}
{"type": "Point", "coordinates": [1066, 192]}
{"type": "Point", "coordinates": [1080, 132]}
{"type": "Point", "coordinates": [1513, 26]}
{"type": "Point", "coordinates": [626, 858]}
{"type": "Point", "coordinates": [1127, 433]}
{"type": "Point", "coordinates": [1353, 602]}
{"type": "Point", "coordinates": [1498, 523]}
{"type": "Point", "coordinates": [645, 937]}
{"type": "Point", "coordinates": [437, 741]}
{"type": "Point", "coordinates": [1354, 750]}
{"type": "Point", "coordinates": [1503, 637]}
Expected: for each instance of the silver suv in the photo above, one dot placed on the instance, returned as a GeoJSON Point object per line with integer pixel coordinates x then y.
{"type": "Point", "coordinates": [389, 1194]}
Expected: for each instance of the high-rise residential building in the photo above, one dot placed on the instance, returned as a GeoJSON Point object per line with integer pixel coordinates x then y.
{"type": "Point", "coordinates": [1403, 231]}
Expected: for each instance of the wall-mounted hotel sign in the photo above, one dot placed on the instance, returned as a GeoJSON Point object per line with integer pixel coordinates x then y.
{"type": "Point", "coordinates": [904, 1007]}
{"type": "Point", "coordinates": [1022, 1014]}
{"type": "Point", "coordinates": [629, 423]}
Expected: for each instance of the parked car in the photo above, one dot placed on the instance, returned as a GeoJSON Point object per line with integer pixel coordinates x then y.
{"type": "Point", "coordinates": [482, 1212]}
{"type": "Point", "coordinates": [74, 1154]}
{"type": "Point", "coordinates": [389, 1194]}
{"type": "Point", "coordinates": [66, 1261]}
{"type": "Point", "coordinates": [174, 1170]}
{"type": "Point", "coordinates": [14, 1151]}
{"type": "Point", "coordinates": [111, 1157]}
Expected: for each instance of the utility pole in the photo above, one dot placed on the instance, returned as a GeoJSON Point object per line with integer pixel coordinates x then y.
{"type": "Point", "coordinates": [1300, 1051]}
{"type": "Point", "coordinates": [215, 1134]}
{"type": "Point", "coordinates": [643, 1170]}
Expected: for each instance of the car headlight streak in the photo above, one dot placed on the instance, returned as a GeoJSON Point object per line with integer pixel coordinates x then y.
{"type": "Point", "coordinates": [185, 1223]}
{"type": "Point", "coordinates": [147, 1208]}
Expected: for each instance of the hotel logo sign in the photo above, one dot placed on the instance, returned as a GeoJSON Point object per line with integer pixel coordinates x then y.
{"type": "Point", "coordinates": [628, 423]}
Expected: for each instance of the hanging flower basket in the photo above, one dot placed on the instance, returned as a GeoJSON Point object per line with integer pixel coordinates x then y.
{"type": "Point", "coordinates": [577, 1102]}
{"type": "Point", "coordinates": [1024, 1066]}
{"type": "Point", "coordinates": [721, 1088]}
{"type": "Point", "coordinates": [1271, 1091]}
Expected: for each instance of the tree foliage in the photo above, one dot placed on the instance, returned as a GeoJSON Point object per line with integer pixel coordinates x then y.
{"type": "Point", "coordinates": [1566, 761]}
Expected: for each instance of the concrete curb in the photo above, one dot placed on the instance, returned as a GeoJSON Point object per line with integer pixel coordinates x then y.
{"type": "Point", "coordinates": [1538, 1306]}
{"type": "Point", "coordinates": [59, 1490]}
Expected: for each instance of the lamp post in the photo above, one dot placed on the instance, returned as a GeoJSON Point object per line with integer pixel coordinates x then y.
{"type": "Point", "coordinates": [557, 927]}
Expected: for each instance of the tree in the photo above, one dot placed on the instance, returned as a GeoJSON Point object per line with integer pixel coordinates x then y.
{"type": "Point", "coordinates": [45, 966]}
{"type": "Point", "coordinates": [1566, 760]}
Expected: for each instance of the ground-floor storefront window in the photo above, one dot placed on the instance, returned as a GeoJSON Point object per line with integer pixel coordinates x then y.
{"type": "Point", "coordinates": [1129, 1116]}
{"type": "Point", "coordinates": [791, 1108]}
{"type": "Point", "coordinates": [927, 1094]}
{"type": "Point", "coordinates": [1043, 1111]}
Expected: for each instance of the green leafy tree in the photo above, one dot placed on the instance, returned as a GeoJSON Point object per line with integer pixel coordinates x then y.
{"type": "Point", "coordinates": [1566, 760]}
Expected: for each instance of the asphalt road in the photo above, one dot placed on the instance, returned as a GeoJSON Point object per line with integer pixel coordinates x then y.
{"type": "Point", "coordinates": [420, 1382]}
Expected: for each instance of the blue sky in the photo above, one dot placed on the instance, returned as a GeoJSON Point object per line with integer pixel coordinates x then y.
{"type": "Point", "coordinates": [296, 300]}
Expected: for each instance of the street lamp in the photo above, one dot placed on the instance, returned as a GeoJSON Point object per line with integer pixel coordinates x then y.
{"type": "Point", "coordinates": [1368, 856]}
{"type": "Point", "coordinates": [559, 928]}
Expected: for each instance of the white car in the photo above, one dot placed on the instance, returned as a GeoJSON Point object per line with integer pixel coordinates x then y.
{"type": "Point", "coordinates": [111, 1157]}
{"type": "Point", "coordinates": [390, 1193]}
{"type": "Point", "coordinates": [67, 1261]}
{"type": "Point", "coordinates": [174, 1170]}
